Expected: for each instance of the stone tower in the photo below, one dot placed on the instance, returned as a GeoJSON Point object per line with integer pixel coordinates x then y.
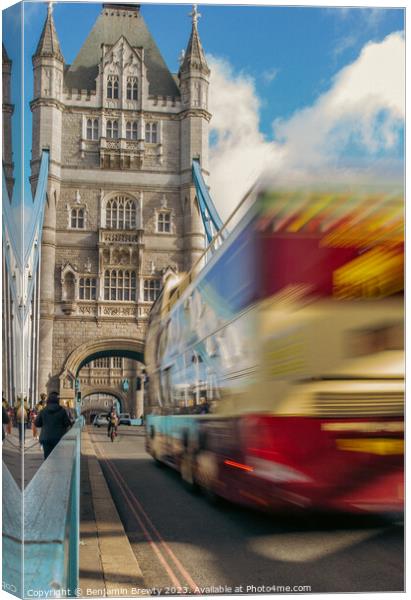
{"type": "Point", "coordinates": [8, 109]}
{"type": "Point", "coordinates": [194, 80]}
{"type": "Point", "coordinates": [121, 210]}
{"type": "Point", "coordinates": [47, 109]}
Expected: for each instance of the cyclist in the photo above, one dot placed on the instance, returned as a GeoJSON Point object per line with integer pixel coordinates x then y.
{"type": "Point", "coordinates": [112, 421]}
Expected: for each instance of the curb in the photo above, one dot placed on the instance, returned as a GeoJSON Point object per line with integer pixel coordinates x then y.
{"type": "Point", "coordinates": [121, 571]}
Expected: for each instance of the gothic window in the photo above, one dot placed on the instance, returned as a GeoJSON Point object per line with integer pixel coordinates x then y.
{"type": "Point", "coordinates": [164, 221]}
{"type": "Point", "coordinates": [151, 133]}
{"type": "Point", "coordinates": [101, 363]}
{"type": "Point", "coordinates": [121, 213]}
{"type": "Point", "coordinates": [77, 218]}
{"type": "Point", "coordinates": [112, 129]}
{"type": "Point", "coordinates": [92, 129]}
{"type": "Point", "coordinates": [117, 362]}
{"type": "Point", "coordinates": [151, 289]}
{"type": "Point", "coordinates": [132, 89]}
{"type": "Point", "coordinates": [131, 130]}
{"type": "Point", "coordinates": [120, 285]}
{"type": "Point", "coordinates": [112, 87]}
{"type": "Point", "coordinates": [87, 288]}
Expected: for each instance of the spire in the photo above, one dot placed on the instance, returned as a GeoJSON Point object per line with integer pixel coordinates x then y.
{"type": "Point", "coordinates": [49, 43]}
{"type": "Point", "coordinates": [194, 55]}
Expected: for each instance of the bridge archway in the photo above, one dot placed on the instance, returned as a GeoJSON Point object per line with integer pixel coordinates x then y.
{"type": "Point", "coordinates": [100, 400]}
{"type": "Point", "coordinates": [87, 393]}
{"type": "Point", "coordinates": [92, 350]}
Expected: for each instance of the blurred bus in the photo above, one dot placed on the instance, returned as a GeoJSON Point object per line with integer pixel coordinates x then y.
{"type": "Point", "coordinates": [276, 366]}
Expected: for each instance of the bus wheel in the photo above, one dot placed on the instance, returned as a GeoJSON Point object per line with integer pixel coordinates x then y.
{"type": "Point", "coordinates": [187, 472]}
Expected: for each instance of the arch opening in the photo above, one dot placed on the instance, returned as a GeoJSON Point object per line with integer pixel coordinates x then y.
{"type": "Point", "coordinates": [100, 402]}
{"type": "Point", "coordinates": [110, 366]}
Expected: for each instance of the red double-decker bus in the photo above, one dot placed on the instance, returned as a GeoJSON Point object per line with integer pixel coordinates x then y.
{"type": "Point", "coordinates": [276, 367]}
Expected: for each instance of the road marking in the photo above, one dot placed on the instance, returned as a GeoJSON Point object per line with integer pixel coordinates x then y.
{"type": "Point", "coordinates": [140, 514]}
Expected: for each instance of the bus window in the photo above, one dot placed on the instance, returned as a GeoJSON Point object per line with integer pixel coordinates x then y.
{"type": "Point", "coordinates": [166, 387]}
{"type": "Point", "coordinates": [377, 339]}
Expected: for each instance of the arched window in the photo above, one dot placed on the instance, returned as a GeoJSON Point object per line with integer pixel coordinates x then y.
{"type": "Point", "coordinates": [115, 89]}
{"type": "Point", "coordinates": [112, 129]}
{"type": "Point", "coordinates": [151, 133]}
{"type": "Point", "coordinates": [131, 130]}
{"type": "Point", "coordinates": [77, 218]}
{"type": "Point", "coordinates": [121, 213]}
{"type": "Point", "coordinates": [120, 285]}
{"type": "Point", "coordinates": [132, 88]}
{"type": "Point", "coordinates": [112, 86]}
{"type": "Point", "coordinates": [92, 129]}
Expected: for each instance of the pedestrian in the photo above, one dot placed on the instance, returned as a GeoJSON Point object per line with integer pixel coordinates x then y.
{"type": "Point", "coordinates": [33, 415]}
{"type": "Point", "coordinates": [12, 416]}
{"type": "Point", "coordinates": [69, 412]}
{"type": "Point", "coordinates": [5, 421]}
{"type": "Point", "coordinates": [54, 423]}
{"type": "Point", "coordinates": [22, 418]}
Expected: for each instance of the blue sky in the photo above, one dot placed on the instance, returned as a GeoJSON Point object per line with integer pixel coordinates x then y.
{"type": "Point", "coordinates": [278, 62]}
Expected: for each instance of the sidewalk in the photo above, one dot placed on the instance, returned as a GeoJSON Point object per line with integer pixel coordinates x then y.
{"type": "Point", "coordinates": [12, 456]}
{"type": "Point", "coordinates": [107, 563]}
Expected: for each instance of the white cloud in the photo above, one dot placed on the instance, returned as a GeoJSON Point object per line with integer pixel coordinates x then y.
{"type": "Point", "coordinates": [240, 152]}
{"type": "Point", "coordinates": [364, 106]}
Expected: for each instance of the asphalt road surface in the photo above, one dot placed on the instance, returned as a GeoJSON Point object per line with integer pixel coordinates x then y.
{"type": "Point", "coordinates": [186, 544]}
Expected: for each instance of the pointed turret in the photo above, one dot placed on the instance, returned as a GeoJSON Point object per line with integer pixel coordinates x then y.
{"type": "Point", "coordinates": [194, 56]}
{"type": "Point", "coordinates": [194, 81]}
{"type": "Point", "coordinates": [49, 44]}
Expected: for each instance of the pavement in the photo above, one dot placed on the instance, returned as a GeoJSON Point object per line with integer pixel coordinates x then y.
{"type": "Point", "coordinates": [12, 456]}
{"type": "Point", "coordinates": [108, 565]}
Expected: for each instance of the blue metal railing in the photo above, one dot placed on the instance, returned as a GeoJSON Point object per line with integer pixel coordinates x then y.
{"type": "Point", "coordinates": [47, 539]}
{"type": "Point", "coordinates": [52, 520]}
{"type": "Point", "coordinates": [12, 559]}
{"type": "Point", "coordinates": [211, 218]}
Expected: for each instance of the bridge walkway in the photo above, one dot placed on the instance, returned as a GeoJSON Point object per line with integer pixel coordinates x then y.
{"type": "Point", "coordinates": [106, 557]}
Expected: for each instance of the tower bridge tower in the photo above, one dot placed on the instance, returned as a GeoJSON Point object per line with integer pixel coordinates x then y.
{"type": "Point", "coordinates": [121, 209]}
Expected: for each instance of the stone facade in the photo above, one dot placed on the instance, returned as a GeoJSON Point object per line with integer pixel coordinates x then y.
{"type": "Point", "coordinates": [121, 207]}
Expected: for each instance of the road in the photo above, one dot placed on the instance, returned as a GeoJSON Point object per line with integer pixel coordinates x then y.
{"type": "Point", "coordinates": [184, 542]}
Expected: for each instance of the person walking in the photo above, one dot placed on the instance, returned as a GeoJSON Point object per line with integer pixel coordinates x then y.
{"type": "Point", "coordinates": [5, 421]}
{"type": "Point", "coordinates": [54, 423]}
{"type": "Point", "coordinates": [33, 415]}
{"type": "Point", "coordinates": [22, 418]}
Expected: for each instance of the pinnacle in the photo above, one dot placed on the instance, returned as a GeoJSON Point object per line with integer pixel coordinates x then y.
{"type": "Point", "coordinates": [194, 55]}
{"type": "Point", "coordinates": [49, 44]}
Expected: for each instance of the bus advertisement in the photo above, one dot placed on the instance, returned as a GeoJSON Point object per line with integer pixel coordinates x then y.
{"type": "Point", "coordinates": [276, 366]}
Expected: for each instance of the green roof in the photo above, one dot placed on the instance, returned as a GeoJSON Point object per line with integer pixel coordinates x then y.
{"type": "Point", "coordinates": [114, 22]}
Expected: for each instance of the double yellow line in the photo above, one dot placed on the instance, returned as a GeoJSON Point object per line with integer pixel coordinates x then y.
{"type": "Point", "coordinates": [166, 557]}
